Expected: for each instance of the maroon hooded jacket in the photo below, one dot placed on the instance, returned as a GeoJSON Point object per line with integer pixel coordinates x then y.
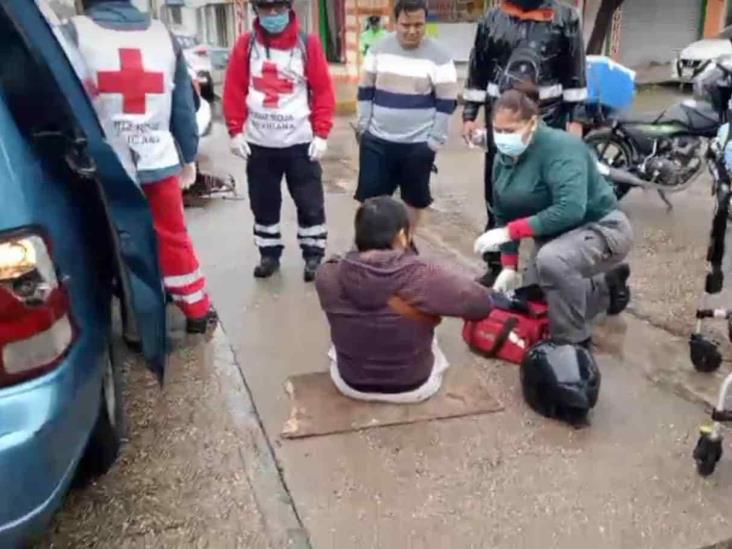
{"type": "Point", "coordinates": [379, 349]}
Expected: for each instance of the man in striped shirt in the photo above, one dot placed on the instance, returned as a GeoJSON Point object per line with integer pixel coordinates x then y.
{"type": "Point", "coordinates": [407, 93]}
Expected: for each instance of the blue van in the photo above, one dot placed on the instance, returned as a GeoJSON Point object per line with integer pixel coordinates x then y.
{"type": "Point", "coordinates": [75, 236]}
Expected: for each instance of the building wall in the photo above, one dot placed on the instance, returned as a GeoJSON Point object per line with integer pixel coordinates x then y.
{"type": "Point", "coordinates": [345, 75]}
{"type": "Point", "coordinates": [672, 24]}
{"type": "Point", "coordinates": [716, 17]}
{"type": "Point", "coordinates": [589, 14]}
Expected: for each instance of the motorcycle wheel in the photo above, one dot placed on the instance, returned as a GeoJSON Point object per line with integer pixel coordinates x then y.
{"type": "Point", "coordinates": [613, 151]}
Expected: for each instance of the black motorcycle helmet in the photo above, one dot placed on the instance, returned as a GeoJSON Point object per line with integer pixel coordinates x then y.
{"type": "Point", "coordinates": [560, 381]}
{"type": "Point", "coordinates": [374, 20]}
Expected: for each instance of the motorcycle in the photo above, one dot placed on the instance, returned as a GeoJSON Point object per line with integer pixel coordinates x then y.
{"type": "Point", "coordinates": [664, 151]}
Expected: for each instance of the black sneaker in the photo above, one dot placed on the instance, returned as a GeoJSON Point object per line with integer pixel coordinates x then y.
{"type": "Point", "coordinates": [617, 284]}
{"type": "Point", "coordinates": [311, 267]}
{"type": "Point", "coordinates": [204, 325]}
{"type": "Point", "coordinates": [267, 267]}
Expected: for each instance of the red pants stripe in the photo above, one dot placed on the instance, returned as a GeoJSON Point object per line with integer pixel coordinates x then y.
{"type": "Point", "coordinates": [183, 279]}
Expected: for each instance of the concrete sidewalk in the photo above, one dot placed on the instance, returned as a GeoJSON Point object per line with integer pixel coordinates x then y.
{"type": "Point", "coordinates": [511, 479]}
{"type": "Point", "coordinates": [181, 480]}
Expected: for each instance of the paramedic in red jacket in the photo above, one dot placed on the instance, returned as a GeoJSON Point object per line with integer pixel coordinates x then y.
{"type": "Point", "coordinates": [142, 92]}
{"type": "Point", "coordinates": [279, 105]}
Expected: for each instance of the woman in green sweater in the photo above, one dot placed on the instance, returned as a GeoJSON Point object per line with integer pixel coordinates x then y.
{"type": "Point", "coordinates": [547, 187]}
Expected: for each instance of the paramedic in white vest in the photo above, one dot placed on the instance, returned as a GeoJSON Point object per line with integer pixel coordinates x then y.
{"type": "Point", "coordinates": [279, 105]}
{"type": "Point", "coordinates": [142, 86]}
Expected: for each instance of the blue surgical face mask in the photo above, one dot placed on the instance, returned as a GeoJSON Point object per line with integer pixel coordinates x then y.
{"type": "Point", "coordinates": [275, 24]}
{"type": "Point", "coordinates": [511, 144]}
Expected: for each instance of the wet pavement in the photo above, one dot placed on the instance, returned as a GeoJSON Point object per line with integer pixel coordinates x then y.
{"type": "Point", "coordinates": [510, 479]}
{"type": "Point", "coordinates": [180, 481]}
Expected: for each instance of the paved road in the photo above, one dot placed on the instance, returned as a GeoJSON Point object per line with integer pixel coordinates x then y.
{"type": "Point", "coordinates": [509, 479]}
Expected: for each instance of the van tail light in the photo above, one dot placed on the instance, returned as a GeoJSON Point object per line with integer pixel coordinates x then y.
{"type": "Point", "coordinates": [36, 327]}
{"type": "Point", "coordinates": [201, 51]}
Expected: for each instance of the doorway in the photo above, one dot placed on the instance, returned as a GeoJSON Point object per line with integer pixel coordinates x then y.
{"type": "Point", "coordinates": [332, 23]}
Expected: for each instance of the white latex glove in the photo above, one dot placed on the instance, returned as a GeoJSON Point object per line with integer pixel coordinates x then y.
{"type": "Point", "coordinates": [318, 148]}
{"type": "Point", "coordinates": [240, 147]}
{"type": "Point", "coordinates": [490, 241]}
{"type": "Point", "coordinates": [507, 280]}
{"type": "Point", "coordinates": [188, 175]}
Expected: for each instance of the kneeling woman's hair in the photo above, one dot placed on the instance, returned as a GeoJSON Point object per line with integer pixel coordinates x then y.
{"type": "Point", "coordinates": [522, 99]}
{"type": "Point", "coordinates": [378, 223]}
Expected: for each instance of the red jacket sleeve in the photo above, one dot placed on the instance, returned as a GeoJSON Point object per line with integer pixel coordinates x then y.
{"type": "Point", "coordinates": [322, 103]}
{"type": "Point", "coordinates": [236, 87]}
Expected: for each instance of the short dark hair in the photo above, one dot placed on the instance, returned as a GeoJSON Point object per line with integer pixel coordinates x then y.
{"type": "Point", "coordinates": [378, 222]}
{"type": "Point", "coordinates": [410, 5]}
{"type": "Point", "coordinates": [522, 98]}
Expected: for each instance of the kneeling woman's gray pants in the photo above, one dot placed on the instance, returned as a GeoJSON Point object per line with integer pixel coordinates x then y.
{"type": "Point", "coordinates": [571, 270]}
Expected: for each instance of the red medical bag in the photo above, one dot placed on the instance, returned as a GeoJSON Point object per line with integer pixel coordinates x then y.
{"type": "Point", "coordinates": [509, 331]}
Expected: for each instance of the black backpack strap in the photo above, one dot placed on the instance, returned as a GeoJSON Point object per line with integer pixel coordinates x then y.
{"type": "Point", "coordinates": [302, 43]}
{"type": "Point", "coordinates": [303, 38]}
{"type": "Point", "coordinates": [503, 336]}
{"type": "Point", "coordinates": [250, 46]}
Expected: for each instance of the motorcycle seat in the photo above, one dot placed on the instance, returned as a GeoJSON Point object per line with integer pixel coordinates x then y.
{"type": "Point", "coordinates": [641, 117]}
{"type": "Point", "coordinates": [697, 116]}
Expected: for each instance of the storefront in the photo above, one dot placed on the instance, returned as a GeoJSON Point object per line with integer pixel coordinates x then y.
{"type": "Point", "coordinates": [331, 16]}
{"type": "Point", "coordinates": [675, 24]}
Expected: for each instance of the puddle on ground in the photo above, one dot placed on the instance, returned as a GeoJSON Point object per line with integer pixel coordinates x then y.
{"type": "Point", "coordinates": [339, 176]}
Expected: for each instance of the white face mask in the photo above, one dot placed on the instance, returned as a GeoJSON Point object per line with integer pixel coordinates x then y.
{"type": "Point", "coordinates": [512, 144]}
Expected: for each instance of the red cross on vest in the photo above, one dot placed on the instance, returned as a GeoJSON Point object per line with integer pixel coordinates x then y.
{"type": "Point", "coordinates": [271, 85]}
{"type": "Point", "coordinates": [131, 81]}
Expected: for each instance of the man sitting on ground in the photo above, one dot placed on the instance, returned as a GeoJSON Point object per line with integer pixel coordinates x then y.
{"type": "Point", "coordinates": [383, 303]}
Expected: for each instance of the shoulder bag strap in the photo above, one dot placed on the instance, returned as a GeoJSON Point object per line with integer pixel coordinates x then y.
{"type": "Point", "coordinates": [400, 306]}
{"type": "Point", "coordinates": [502, 336]}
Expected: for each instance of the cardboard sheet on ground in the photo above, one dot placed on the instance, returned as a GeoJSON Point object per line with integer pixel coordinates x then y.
{"type": "Point", "coordinates": [319, 409]}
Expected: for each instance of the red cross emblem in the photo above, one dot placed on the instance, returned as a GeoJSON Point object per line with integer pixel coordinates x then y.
{"type": "Point", "coordinates": [271, 85]}
{"type": "Point", "coordinates": [131, 81]}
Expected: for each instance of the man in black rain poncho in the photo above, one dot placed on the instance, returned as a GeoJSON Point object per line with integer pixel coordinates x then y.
{"type": "Point", "coordinates": [538, 40]}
